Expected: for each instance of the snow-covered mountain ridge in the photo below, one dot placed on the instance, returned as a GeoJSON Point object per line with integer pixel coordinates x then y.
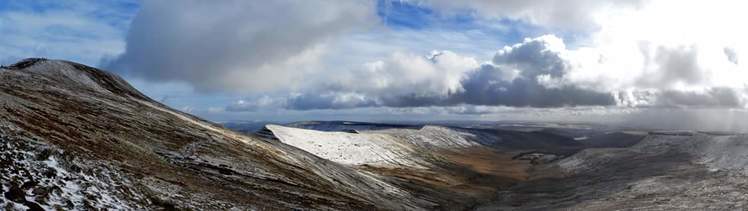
{"type": "Point", "coordinates": [380, 147]}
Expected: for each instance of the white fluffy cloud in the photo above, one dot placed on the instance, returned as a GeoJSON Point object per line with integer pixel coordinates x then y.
{"type": "Point", "coordinates": [643, 53]}
{"type": "Point", "coordinates": [664, 55]}
{"type": "Point", "coordinates": [236, 45]}
{"type": "Point", "coordinates": [378, 83]}
{"type": "Point", "coordinates": [438, 74]}
{"type": "Point", "coordinates": [645, 75]}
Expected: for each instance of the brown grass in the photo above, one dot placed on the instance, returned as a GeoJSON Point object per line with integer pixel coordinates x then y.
{"type": "Point", "coordinates": [488, 161]}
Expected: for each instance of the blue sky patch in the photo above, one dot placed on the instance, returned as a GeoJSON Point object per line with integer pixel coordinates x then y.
{"type": "Point", "coordinates": [410, 16]}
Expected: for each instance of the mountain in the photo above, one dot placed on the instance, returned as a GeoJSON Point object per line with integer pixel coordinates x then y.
{"type": "Point", "coordinates": [75, 137]}
{"type": "Point", "coordinates": [548, 168]}
{"type": "Point", "coordinates": [458, 167]}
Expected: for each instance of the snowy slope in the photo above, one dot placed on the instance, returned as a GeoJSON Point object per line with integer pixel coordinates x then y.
{"type": "Point", "coordinates": [348, 148]}
{"type": "Point", "coordinates": [388, 147]}
{"type": "Point", "coordinates": [436, 136]}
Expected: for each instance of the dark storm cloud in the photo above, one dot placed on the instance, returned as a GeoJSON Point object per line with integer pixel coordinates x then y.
{"type": "Point", "coordinates": [532, 60]}
{"type": "Point", "coordinates": [485, 87]}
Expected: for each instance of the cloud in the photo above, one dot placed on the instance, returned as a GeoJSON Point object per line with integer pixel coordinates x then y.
{"type": "Point", "coordinates": [619, 54]}
{"type": "Point", "coordinates": [385, 82]}
{"type": "Point", "coordinates": [437, 74]}
{"type": "Point", "coordinates": [260, 103]}
{"type": "Point", "coordinates": [484, 88]}
{"type": "Point", "coordinates": [732, 56]}
{"type": "Point", "coordinates": [235, 45]}
{"type": "Point", "coordinates": [518, 75]}
{"type": "Point", "coordinates": [84, 31]}
{"type": "Point", "coordinates": [538, 72]}
{"type": "Point", "coordinates": [523, 75]}
{"type": "Point", "coordinates": [648, 75]}
{"type": "Point", "coordinates": [693, 62]}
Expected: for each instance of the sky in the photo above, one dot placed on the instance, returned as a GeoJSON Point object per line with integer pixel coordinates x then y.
{"type": "Point", "coordinates": [382, 60]}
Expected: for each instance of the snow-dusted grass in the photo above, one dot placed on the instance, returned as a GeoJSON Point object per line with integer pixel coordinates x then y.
{"type": "Point", "coordinates": [51, 185]}
{"type": "Point", "coordinates": [60, 69]}
{"type": "Point", "coordinates": [436, 136]}
{"type": "Point", "coordinates": [347, 148]}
